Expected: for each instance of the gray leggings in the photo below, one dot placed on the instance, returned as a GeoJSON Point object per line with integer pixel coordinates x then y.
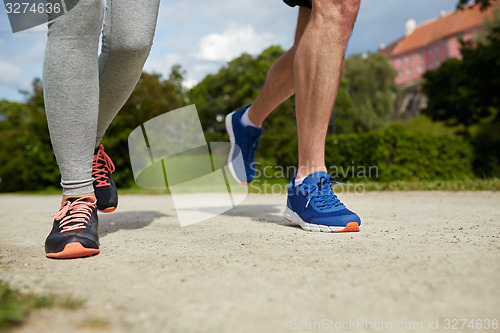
{"type": "Point", "coordinates": [83, 91]}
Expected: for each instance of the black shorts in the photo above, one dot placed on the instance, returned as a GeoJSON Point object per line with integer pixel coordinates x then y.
{"type": "Point", "coordinates": [303, 3]}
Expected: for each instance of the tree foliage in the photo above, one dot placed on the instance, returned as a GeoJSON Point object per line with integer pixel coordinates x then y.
{"type": "Point", "coordinates": [465, 91]}
{"type": "Point", "coordinates": [151, 97]}
{"type": "Point", "coordinates": [484, 3]}
{"type": "Point", "coordinates": [27, 160]}
{"type": "Point", "coordinates": [369, 84]}
{"type": "Point", "coordinates": [236, 85]}
{"type": "Point", "coordinates": [232, 87]}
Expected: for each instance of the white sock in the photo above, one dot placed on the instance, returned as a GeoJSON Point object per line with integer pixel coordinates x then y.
{"type": "Point", "coordinates": [299, 181]}
{"type": "Point", "coordinates": [246, 121]}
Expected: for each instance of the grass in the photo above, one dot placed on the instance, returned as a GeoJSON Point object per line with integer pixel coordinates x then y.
{"type": "Point", "coordinates": [438, 185]}
{"type": "Point", "coordinates": [15, 306]}
{"type": "Point", "coordinates": [94, 323]}
{"type": "Point", "coordinates": [274, 185]}
{"type": "Point", "coordinates": [423, 124]}
{"type": "Point", "coordinates": [280, 185]}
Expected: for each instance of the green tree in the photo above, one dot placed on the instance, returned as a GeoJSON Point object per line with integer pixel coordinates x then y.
{"type": "Point", "coordinates": [26, 158]}
{"type": "Point", "coordinates": [237, 84]}
{"type": "Point", "coordinates": [484, 3]}
{"type": "Point", "coordinates": [364, 102]}
{"type": "Point", "coordinates": [344, 112]}
{"type": "Point", "coordinates": [12, 115]}
{"type": "Point", "coordinates": [151, 97]}
{"type": "Point", "coordinates": [234, 86]}
{"type": "Point", "coordinates": [465, 92]}
{"type": "Point", "coordinates": [369, 83]}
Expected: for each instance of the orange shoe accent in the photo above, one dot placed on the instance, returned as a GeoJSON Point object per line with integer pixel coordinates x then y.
{"type": "Point", "coordinates": [350, 227]}
{"type": "Point", "coordinates": [73, 250]}
{"type": "Point", "coordinates": [107, 210]}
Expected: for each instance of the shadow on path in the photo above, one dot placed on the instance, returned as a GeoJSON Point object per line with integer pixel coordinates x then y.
{"type": "Point", "coordinates": [109, 223]}
{"type": "Point", "coordinates": [261, 213]}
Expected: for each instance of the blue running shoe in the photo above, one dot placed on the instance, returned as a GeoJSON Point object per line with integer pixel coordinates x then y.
{"type": "Point", "coordinates": [243, 139]}
{"type": "Point", "coordinates": [315, 207]}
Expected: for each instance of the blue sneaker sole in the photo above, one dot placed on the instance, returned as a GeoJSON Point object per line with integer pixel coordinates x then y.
{"type": "Point", "coordinates": [229, 129]}
{"type": "Point", "coordinates": [293, 217]}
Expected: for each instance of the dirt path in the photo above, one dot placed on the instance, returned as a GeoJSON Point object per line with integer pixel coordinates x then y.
{"type": "Point", "coordinates": [420, 257]}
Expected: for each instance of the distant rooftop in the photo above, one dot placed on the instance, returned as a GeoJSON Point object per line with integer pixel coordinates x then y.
{"type": "Point", "coordinates": [448, 24]}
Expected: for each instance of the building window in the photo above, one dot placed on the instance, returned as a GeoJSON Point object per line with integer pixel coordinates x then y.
{"type": "Point", "coordinates": [430, 52]}
{"type": "Point", "coordinates": [401, 73]}
{"type": "Point", "coordinates": [437, 63]}
{"type": "Point", "coordinates": [420, 68]}
{"type": "Point", "coordinates": [400, 61]}
{"type": "Point", "coordinates": [409, 71]}
{"type": "Point", "coordinates": [437, 48]}
{"type": "Point", "coordinates": [408, 59]}
{"type": "Point", "coordinates": [420, 55]}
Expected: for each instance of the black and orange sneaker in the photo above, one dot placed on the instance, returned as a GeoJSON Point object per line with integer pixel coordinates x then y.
{"type": "Point", "coordinates": [74, 233]}
{"type": "Point", "coordinates": [104, 186]}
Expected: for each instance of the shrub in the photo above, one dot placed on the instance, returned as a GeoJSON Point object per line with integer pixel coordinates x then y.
{"type": "Point", "coordinates": [395, 154]}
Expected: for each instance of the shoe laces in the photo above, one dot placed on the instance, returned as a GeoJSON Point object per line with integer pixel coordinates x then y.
{"type": "Point", "coordinates": [102, 165]}
{"type": "Point", "coordinates": [249, 153]}
{"type": "Point", "coordinates": [321, 194]}
{"type": "Point", "coordinates": [74, 215]}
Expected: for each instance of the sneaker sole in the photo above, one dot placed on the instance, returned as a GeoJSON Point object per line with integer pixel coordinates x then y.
{"type": "Point", "coordinates": [107, 210]}
{"type": "Point", "coordinates": [73, 250]}
{"type": "Point", "coordinates": [229, 128]}
{"type": "Point", "coordinates": [293, 217]}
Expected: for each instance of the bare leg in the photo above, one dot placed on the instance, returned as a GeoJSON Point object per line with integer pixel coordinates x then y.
{"type": "Point", "coordinates": [317, 69]}
{"type": "Point", "coordinates": [279, 84]}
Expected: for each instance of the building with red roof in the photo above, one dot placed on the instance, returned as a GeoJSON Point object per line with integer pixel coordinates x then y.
{"type": "Point", "coordinates": [426, 46]}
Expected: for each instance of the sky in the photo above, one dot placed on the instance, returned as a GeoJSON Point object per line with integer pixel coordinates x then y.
{"type": "Point", "coordinates": [203, 35]}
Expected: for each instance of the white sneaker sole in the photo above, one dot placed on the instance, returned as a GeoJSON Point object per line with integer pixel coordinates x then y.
{"type": "Point", "coordinates": [229, 128]}
{"type": "Point", "coordinates": [293, 217]}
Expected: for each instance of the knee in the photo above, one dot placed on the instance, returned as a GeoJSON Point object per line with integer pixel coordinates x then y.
{"type": "Point", "coordinates": [343, 12]}
{"type": "Point", "coordinates": [131, 46]}
{"type": "Point", "coordinates": [81, 25]}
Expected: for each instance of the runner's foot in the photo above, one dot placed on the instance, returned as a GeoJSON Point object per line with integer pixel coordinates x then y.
{"type": "Point", "coordinates": [315, 207]}
{"type": "Point", "coordinates": [74, 233]}
{"type": "Point", "coordinates": [104, 186]}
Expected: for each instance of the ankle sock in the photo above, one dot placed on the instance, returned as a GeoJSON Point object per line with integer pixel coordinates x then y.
{"type": "Point", "coordinates": [299, 181]}
{"type": "Point", "coordinates": [245, 120]}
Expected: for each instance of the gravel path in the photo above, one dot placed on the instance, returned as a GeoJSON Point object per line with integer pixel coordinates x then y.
{"type": "Point", "coordinates": [421, 258]}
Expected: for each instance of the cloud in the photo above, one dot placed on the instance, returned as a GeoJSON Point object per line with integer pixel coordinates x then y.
{"type": "Point", "coordinates": [11, 73]}
{"type": "Point", "coordinates": [162, 65]}
{"type": "Point", "coordinates": [231, 43]}
{"type": "Point", "coordinates": [179, 14]}
{"type": "Point", "coordinates": [20, 62]}
{"type": "Point", "coordinates": [203, 35]}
